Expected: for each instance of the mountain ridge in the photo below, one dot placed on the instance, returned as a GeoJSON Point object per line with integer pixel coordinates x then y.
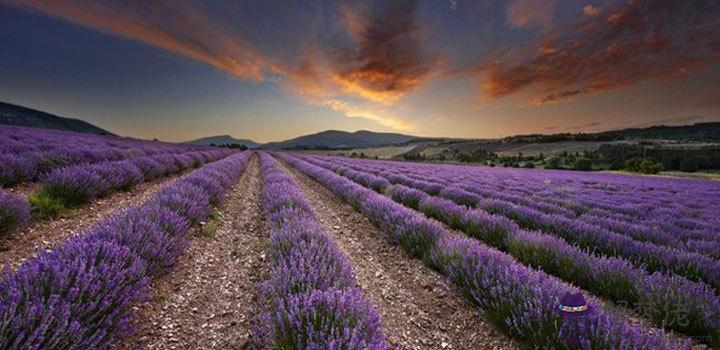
{"type": "Point", "coordinates": [341, 139]}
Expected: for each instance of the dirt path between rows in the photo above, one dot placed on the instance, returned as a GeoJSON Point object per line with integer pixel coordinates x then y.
{"type": "Point", "coordinates": [24, 189]}
{"type": "Point", "coordinates": [46, 234]}
{"type": "Point", "coordinates": [419, 311]}
{"type": "Point", "coordinates": [207, 301]}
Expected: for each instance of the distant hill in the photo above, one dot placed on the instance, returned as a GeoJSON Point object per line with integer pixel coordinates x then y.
{"type": "Point", "coordinates": [341, 139]}
{"type": "Point", "coordinates": [695, 132]}
{"type": "Point", "coordinates": [225, 140]}
{"type": "Point", "coordinates": [11, 114]}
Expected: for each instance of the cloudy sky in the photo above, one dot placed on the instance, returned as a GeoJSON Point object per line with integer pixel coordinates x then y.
{"type": "Point", "coordinates": [270, 70]}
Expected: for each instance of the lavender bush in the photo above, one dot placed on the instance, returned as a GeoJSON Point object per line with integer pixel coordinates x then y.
{"type": "Point", "coordinates": [69, 187]}
{"type": "Point", "coordinates": [664, 211]}
{"type": "Point", "coordinates": [645, 254]}
{"type": "Point", "coordinates": [516, 298]}
{"type": "Point", "coordinates": [311, 300]}
{"type": "Point", "coordinates": [28, 154]}
{"type": "Point", "coordinates": [14, 212]}
{"type": "Point", "coordinates": [81, 294]}
{"type": "Point", "coordinates": [671, 301]}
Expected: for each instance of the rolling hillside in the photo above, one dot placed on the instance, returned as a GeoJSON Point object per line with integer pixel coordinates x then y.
{"type": "Point", "coordinates": [225, 140]}
{"type": "Point", "coordinates": [11, 114]}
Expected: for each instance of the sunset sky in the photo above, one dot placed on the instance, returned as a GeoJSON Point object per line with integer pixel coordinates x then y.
{"type": "Point", "coordinates": [271, 70]}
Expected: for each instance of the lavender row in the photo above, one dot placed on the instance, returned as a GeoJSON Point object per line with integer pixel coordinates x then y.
{"type": "Point", "coordinates": [650, 256]}
{"type": "Point", "coordinates": [672, 301]}
{"type": "Point", "coordinates": [312, 300]}
{"type": "Point", "coordinates": [676, 206]}
{"type": "Point", "coordinates": [14, 212]}
{"type": "Point", "coordinates": [29, 153]}
{"type": "Point", "coordinates": [517, 299]}
{"type": "Point", "coordinates": [705, 242]}
{"type": "Point", "coordinates": [679, 207]}
{"type": "Point", "coordinates": [631, 197]}
{"type": "Point", "coordinates": [75, 185]}
{"type": "Point", "coordinates": [679, 226]}
{"type": "Point", "coordinates": [702, 241]}
{"type": "Point", "coordinates": [81, 294]}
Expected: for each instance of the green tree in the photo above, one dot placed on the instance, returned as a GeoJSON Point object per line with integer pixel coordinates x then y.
{"type": "Point", "coordinates": [650, 167]}
{"type": "Point", "coordinates": [633, 164]}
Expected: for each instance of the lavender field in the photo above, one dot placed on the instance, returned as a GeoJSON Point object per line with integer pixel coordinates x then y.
{"type": "Point", "coordinates": [360, 174]}
{"type": "Point", "coordinates": [121, 243]}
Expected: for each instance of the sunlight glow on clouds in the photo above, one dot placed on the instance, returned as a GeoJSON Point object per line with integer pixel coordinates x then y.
{"type": "Point", "coordinates": [379, 116]}
{"type": "Point", "coordinates": [363, 59]}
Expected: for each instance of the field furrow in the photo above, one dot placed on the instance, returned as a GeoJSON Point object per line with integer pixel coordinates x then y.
{"type": "Point", "coordinates": [207, 300]}
{"type": "Point", "coordinates": [649, 294]}
{"type": "Point", "coordinates": [519, 300]}
{"type": "Point", "coordinates": [44, 235]}
{"type": "Point", "coordinates": [650, 256]}
{"type": "Point", "coordinates": [419, 311]}
{"type": "Point", "coordinates": [84, 292]}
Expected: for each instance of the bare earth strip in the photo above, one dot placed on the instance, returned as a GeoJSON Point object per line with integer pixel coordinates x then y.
{"type": "Point", "coordinates": [207, 301]}
{"type": "Point", "coordinates": [24, 189]}
{"type": "Point", "coordinates": [44, 235]}
{"type": "Point", "coordinates": [419, 311]}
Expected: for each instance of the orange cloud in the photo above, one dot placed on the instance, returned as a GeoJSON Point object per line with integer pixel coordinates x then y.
{"type": "Point", "coordinates": [636, 41]}
{"type": "Point", "coordinates": [590, 10]}
{"type": "Point", "coordinates": [386, 61]}
{"type": "Point", "coordinates": [526, 13]}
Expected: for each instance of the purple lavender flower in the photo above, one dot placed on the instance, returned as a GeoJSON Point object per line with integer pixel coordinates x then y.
{"type": "Point", "coordinates": [517, 298]}
{"type": "Point", "coordinates": [311, 300]}
{"type": "Point", "coordinates": [14, 212]}
{"type": "Point", "coordinates": [323, 319]}
{"type": "Point", "coordinates": [77, 296]}
{"type": "Point", "coordinates": [81, 294]}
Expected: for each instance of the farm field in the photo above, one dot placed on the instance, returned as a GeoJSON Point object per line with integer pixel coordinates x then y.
{"type": "Point", "coordinates": [213, 248]}
{"type": "Point", "coordinates": [360, 175]}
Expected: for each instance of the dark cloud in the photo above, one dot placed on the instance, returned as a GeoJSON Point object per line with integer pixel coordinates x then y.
{"type": "Point", "coordinates": [386, 58]}
{"type": "Point", "coordinates": [611, 48]}
{"type": "Point", "coordinates": [556, 97]}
